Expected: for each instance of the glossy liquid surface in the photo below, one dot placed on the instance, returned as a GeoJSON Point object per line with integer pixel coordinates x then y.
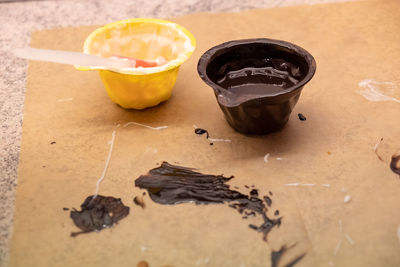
{"type": "Point", "coordinates": [170, 184]}
{"type": "Point", "coordinates": [273, 77]}
{"type": "Point", "coordinates": [98, 212]}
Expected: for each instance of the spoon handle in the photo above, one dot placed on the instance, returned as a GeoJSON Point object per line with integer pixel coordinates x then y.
{"type": "Point", "coordinates": [71, 58]}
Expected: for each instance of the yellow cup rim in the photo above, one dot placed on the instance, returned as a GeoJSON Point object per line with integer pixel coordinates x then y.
{"type": "Point", "coordinates": [190, 46]}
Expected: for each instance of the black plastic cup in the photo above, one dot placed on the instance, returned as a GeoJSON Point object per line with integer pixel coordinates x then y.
{"type": "Point", "coordinates": [257, 82]}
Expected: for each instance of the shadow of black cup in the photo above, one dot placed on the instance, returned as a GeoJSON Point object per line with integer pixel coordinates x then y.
{"type": "Point", "coordinates": [257, 82]}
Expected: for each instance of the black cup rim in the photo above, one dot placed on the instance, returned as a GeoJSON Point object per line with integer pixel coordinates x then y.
{"type": "Point", "coordinates": [205, 58]}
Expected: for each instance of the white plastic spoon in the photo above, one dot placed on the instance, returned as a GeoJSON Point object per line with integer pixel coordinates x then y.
{"type": "Point", "coordinates": [74, 58]}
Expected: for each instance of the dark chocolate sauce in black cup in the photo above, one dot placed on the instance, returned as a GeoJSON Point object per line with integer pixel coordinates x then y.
{"type": "Point", "coordinates": [273, 77]}
{"type": "Point", "coordinates": [257, 82]}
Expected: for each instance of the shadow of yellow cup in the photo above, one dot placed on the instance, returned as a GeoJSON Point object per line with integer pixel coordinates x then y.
{"type": "Point", "coordinates": [146, 39]}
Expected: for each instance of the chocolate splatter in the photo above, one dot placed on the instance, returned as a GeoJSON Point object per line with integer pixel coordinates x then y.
{"type": "Point", "coordinates": [254, 227]}
{"type": "Point", "coordinates": [301, 117]}
{"type": "Point", "coordinates": [201, 131]}
{"type": "Point", "coordinates": [65, 208]}
{"type": "Point", "coordinates": [52, 143]}
{"type": "Point", "coordinates": [254, 193]}
{"type": "Point", "coordinates": [98, 213]}
{"type": "Point", "coordinates": [171, 184]}
{"type": "Point", "coordinates": [268, 200]}
{"type": "Point", "coordinates": [277, 255]}
{"type": "Point", "coordinates": [249, 213]}
{"type": "Point", "coordinates": [139, 201]}
{"type": "Point", "coordinates": [295, 260]}
{"type": "Point", "coordinates": [395, 164]}
{"type": "Point", "coordinates": [276, 213]}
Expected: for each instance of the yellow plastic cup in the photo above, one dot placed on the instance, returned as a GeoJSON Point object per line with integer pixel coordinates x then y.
{"type": "Point", "coordinates": [146, 39]}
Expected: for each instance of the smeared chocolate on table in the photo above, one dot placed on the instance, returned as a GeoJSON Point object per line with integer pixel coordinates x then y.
{"type": "Point", "coordinates": [268, 200]}
{"type": "Point", "coordinates": [98, 212]}
{"type": "Point", "coordinates": [277, 255]}
{"type": "Point", "coordinates": [395, 164]}
{"type": "Point", "coordinates": [170, 184]}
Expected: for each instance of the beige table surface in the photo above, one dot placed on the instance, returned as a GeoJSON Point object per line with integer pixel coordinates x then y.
{"type": "Point", "coordinates": [19, 19]}
{"type": "Point", "coordinates": [335, 143]}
